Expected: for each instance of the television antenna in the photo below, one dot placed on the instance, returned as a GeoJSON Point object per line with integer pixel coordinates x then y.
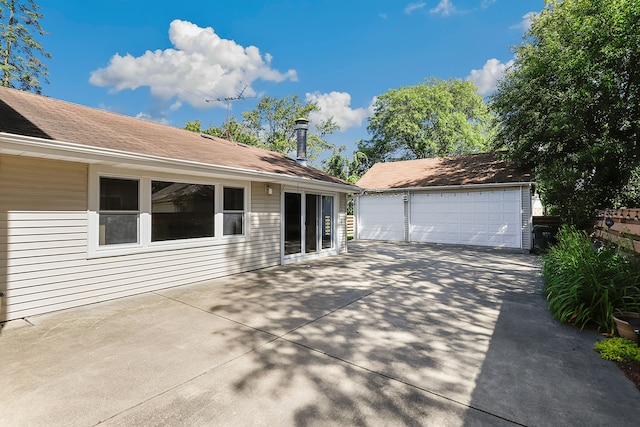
{"type": "Point", "coordinates": [229, 100]}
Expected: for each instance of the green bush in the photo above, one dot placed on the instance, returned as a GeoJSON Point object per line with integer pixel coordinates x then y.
{"type": "Point", "coordinates": [618, 349]}
{"type": "Point", "coordinates": [585, 284]}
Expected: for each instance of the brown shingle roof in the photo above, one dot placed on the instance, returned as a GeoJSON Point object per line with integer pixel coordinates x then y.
{"type": "Point", "coordinates": [24, 113]}
{"type": "Point", "coordinates": [486, 168]}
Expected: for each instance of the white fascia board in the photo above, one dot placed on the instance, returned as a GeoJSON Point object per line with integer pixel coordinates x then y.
{"type": "Point", "coordinates": [447, 187]}
{"type": "Point", "coordinates": [21, 145]}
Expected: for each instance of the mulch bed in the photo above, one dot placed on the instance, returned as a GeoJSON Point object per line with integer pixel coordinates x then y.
{"type": "Point", "coordinates": [632, 370]}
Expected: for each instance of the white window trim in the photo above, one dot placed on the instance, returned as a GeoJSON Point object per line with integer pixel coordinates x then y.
{"type": "Point", "coordinates": [245, 202]}
{"type": "Point", "coordinates": [145, 245]}
{"type": "Point", "coordinates": [136, 212]}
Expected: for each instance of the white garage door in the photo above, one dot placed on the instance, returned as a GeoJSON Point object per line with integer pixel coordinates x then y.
{"type": "Point", "coordinates": [484, 218]}
{"type": "Point", "coordinates": [381, 217]}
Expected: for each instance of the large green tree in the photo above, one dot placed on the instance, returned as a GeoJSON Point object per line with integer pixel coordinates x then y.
{"type": "Point", "coordinates": [569, 107]}
{"type": "Point", "coordinates": [21, 54]}
{"type": "Point", "coordinates": [271, 125]}
{"type": "Point", "coordinates": [231, 130]}
{"type": "Point", "coordinates": [431, 119]}
{"type": "Point", "coordinates": [344, 168]}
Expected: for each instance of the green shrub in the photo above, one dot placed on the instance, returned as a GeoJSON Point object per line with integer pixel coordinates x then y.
{"type": "Point", "coordinates": [618, 349]}
{"type": "Point", "coordinates": [585, 284]}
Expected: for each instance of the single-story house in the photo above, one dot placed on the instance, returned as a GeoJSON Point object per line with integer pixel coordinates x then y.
{"type": "Point", "coordinates": [96, 205]}
{"type": "Point", "coordinates": [476, 199]}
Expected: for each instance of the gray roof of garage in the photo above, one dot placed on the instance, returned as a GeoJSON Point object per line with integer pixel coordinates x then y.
{"type": "Point", "coordinates": [478, 169]}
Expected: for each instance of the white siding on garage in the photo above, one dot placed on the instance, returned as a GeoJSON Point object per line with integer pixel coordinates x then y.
{"type": "Point", "coordinates": [483, 218]}
{"type": "Point", "coordinates": [381, 217]}
{"type": "Point", "coordinates": [43, 244]}
{"type": "Point", "coordinates": [527, 212]}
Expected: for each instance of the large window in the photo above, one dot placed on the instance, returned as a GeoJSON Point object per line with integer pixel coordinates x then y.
{"type": "Point", "coordinates": [131, 214]}
{"type": "Point", "coordinates": [233, 211]}
{"type": "Point", "coordinates": [119, 211]}
{"type": "Point", "coordinates": [181, 210]}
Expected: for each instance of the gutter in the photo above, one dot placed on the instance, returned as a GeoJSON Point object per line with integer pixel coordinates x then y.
{"type": "Point", "coordinates": [21, 145]}
{"type": "Point", "coordinates": [447, 187]}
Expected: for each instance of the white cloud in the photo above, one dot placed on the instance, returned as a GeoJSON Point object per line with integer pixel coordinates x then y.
{"type": "Point", "coordinates": [487, 78]}
{"type": "Point", "coordinates": [201, 66]}
{"type": "Point", "coordinates": [445, 8]}
{"type": "Point", "coordinates": [338, 106]}
{"type": "Point", "coordinates": [175, 106]}
{"type": "Point", "coordinates": [150, 118]}
{"type": "Point", "coordinates": [486, 3]}
{"type": "Point", "coordinates": [412, 7]}
{"type": "Point", "coordinates": [525, 24]}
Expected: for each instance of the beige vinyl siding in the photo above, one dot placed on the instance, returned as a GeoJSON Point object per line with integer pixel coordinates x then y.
{"type": "Point", "coordinates": [43, 244]}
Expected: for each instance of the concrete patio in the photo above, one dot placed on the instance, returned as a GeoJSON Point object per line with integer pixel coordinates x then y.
{"type": "Point", "coordinates": [390, 334]}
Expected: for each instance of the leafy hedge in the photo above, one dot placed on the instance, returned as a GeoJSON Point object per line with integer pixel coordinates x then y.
{"type": "Point", "coordinates": [584, 284]}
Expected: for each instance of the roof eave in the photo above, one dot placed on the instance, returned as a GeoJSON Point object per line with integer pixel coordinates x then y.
{"type": "Point", "coordinates": [449, 187]}
{"type": "Point", "coordinates": [22, 145]}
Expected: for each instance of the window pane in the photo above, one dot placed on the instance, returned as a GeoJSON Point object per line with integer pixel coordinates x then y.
{"type": "Point", "coordinates": [181, 211]}
{"type": "Point", "coordinates": [118, 194]}
{"type": "Point", "coordinates": [233, 199]}
{"type": "Point", "coordinates": [232, 223]}
{"type": "Point", "coordinates": [118, 228]}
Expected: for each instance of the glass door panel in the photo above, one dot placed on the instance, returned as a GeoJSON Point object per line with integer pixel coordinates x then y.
{"type": "Point", "coordinates": [292, 223]}
{"type": "Point", "coordinates": [327, 222]}
{"type": "Point", "coordinates": [311, 223]}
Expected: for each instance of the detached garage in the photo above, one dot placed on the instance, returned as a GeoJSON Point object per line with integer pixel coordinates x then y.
{"type": "Point", "coordinates": [474, 199]}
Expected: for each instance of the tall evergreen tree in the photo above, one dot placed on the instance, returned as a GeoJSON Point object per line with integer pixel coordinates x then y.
{"type": "Point", "coordinates": [21, 54]}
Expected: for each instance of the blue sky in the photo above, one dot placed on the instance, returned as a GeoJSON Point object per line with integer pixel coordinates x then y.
{"type": "Point", "coordinates": [162, 60]}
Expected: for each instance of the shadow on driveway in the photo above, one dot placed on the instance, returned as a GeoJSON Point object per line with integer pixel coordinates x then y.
{"type": "Point", "coordinates": [390, 334]}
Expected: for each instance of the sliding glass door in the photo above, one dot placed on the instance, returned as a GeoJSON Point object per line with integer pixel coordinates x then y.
{"type": "Point", "coordinates": [308, 223]}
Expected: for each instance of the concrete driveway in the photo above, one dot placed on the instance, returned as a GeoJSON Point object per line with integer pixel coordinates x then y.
{"type": "Point", "coordinates": [390, 334]}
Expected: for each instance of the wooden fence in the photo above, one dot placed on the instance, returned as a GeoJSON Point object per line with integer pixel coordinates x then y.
{"type": "Point", "coordinates": [351, 226]}
{"type": "Point", "coordinates": [621, 227]}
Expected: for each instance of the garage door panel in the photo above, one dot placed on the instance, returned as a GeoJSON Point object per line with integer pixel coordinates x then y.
{"type": "Point", "coordinates": [486, 218]}
{"type": "Point", "coordinates": [381, 217]}
{"type": "Point", "coordinates": [474, 238]}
